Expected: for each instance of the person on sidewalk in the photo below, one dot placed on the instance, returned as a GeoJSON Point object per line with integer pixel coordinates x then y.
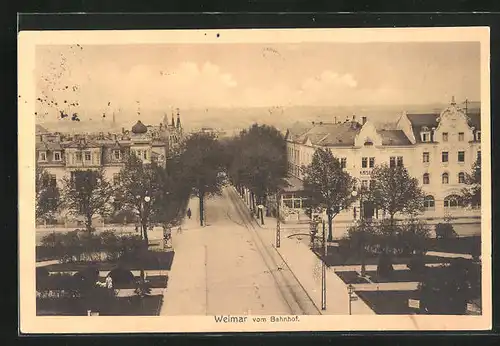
{"type": "Point", "coordinates": [189, 213]}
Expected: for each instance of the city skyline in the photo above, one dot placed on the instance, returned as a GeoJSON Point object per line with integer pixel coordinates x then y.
{"type": "Point", "coordinates": [105, 79]}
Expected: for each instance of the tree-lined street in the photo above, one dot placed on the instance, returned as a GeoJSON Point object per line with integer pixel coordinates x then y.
{"type": "Point", "coordinates": [230, 267]}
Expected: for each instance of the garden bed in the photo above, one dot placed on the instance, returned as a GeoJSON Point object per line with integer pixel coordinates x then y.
{"type": "Point", "coordinates": [389, 302]}
{"type": "Point", "coordinates": [120, 306]}
{"type": "Point", "coordinates": [351, 277]}
{"type": "Point", "coordinates": [336, 258]}
{"type": "Point", "coordinates": [465, 245]}
{"type": "Point", "coordinates": [66, 282]}
{"type": "Point", "coordinates": [154, 261]}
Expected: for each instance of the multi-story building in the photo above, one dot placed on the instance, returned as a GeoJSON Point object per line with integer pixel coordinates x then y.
{"type": "Point", "coordinates": [61, 154]}
{"type": "Point", "coordinates": [437, 149]}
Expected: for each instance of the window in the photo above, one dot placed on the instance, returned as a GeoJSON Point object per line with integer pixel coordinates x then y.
{"type": "Point", "coordinates": [343, 162]}
{"type": "Point", "coordinates": [479, 156]}
{"type": "Point", "coordinates": [425, 157]}
{"type": "Point", "coordinates": [372, 162]}
{"type": "Point", "coordinates": [429, 202]}
{"type": "Point", "coordinates": [88, 156]}
{"type": "Point", "coordinates": [426, 178]}
{"type": "Point", "coordinates": [364, 162]}
{"type": "Point", "coordinates": [461, 178]}
{"type": "Point", "coordinates": [42, 156]}
{"type": "Point", "coordinates": [478, 136]}
{"type": "Point", "coordinates": [452, 201]}
{"type": "Point", "coordinates": [117, 154]}
{"type": "Point", "coordinates": [116, 178]}
{"type": "Point", "coordinates": [392, 162]}
{"type": "Point", "coordinates": [400, 161]}
{"type": "Point", "coordinates": [445, 136]}
{"type": "Point", "coordinates": [426, 137]}
{"type": "Point", "coordinates": [57, 156]}
{"type": "Point", "coordinates": [145, 155]}
{"type": "Point", "coordinates": [460, 136]}
{"type": "Point", "coordinates": [364, 183]}
{"type": "Point", "coordinates": [461, 156]}
{"type": "Point", "coordinates": [78, 157]}
{"type": "Point", "coordinates": [444, 156]}
{"type": "Point", "coordinates": [445, 178]}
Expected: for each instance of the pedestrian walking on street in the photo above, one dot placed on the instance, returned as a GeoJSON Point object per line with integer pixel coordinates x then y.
{"type": "Point", "coordinates": [189, 213]}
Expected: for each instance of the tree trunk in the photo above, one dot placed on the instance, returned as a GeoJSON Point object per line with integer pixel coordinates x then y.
{"type": "Point", "coordinates": [145, 232]}
{"type": "Point", "coordinates": [252, 198]}
{"type": "Point", "coordinates": [261, 211]}
{"type": "Point", "coordinates": [330, 227]}
{"type": "Point", "coordinates": [363, 259]}
{"type": "Point", "coordinates": [88, 223]}
{"type": "Point", "coordinates": [200, 197]}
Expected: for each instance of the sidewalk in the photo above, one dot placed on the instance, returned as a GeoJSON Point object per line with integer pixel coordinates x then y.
{"type": "Point", "coordinates": [186, 290]}
{"type": "Point", "coordinates": [307, 268]}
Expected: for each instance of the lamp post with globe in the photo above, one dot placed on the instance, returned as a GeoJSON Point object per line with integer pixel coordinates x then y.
{"type": "Point", "coordinates": [143, 204]}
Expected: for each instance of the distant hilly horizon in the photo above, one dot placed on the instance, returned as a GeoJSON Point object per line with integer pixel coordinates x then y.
{"type": "Point", "coordinates": [238, 118]}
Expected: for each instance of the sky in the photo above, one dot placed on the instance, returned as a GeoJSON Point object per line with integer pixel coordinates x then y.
{"type": "Point", "coordinates": [135, 78]}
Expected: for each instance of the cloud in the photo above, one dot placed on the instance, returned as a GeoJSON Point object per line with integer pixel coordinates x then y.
{"type": "Point", "coordinates": [329, 80]}
{"type": "Point", "coordinates": [144, 86]}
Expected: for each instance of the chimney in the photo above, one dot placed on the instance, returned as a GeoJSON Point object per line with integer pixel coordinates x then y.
{"type": "Point", "coordinates": [123, 130]}
{"type": "Point", "coordinates": [353, 117]}
{"type": "Point", "coordinates": [363, 120]}
{"type": "Point", "coordinates": [312, 122]}
{"type": "Point", "coordinates": [335, 120]}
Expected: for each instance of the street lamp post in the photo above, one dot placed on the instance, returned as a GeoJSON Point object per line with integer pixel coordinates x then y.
{"type": "Point", "coordinates": [350, 291]}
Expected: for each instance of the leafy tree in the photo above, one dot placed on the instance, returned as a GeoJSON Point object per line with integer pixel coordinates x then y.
{"type": "Point", "coordinates": [48, 199]}
{"type": "Point", "coordinates": [260, 162]}
{"type": "Point", "coordinates": [87, 193]}
{"type": "Point", "coordinates": [201, 166]}
{"type": "Point", "coordinates": [395, 191]}
{"type": "Point", "coordinates": [139, 190]}
{"type": "Point", "coordinates": [471, 194]}
{"type": "Point", "coordinates": [328, 185]}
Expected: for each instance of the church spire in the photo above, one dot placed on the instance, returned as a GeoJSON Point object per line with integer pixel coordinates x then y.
{"type": "Point", "coordinates": [178, 119]}
{"type": "Point", "coordinates": [173, 121]}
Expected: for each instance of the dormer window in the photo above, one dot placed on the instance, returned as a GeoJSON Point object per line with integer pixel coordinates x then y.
{"type": "Point", "coordinates": [425, 134]}
{"type": "Point", "coordinates": [42, 156]}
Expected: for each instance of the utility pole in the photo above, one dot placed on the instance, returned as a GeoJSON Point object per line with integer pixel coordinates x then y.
{"type": "Point", "coordinates": [278, 224]}
{"type": "Point", "coordinates": [466, 105]}
{"type": "Point", "coordinates": [323, 271]}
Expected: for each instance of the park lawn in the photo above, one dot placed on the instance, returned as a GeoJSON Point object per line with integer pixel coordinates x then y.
{"type": "Point", "coordinates": [119, 306]}
{"type": "Point", "coordinates": [389, 302]}
{"type": "Point", "coordinates": [464, 245]}
{"type": "Point", "coordinates": [155, 261]}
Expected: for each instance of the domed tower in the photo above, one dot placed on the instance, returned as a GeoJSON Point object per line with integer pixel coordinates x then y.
{"type": "Point", "coordinates": [139, 128]}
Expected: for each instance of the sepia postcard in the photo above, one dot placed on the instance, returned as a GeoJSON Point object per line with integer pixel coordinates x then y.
{"type": "Point", "coordinates": [254, 180]}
